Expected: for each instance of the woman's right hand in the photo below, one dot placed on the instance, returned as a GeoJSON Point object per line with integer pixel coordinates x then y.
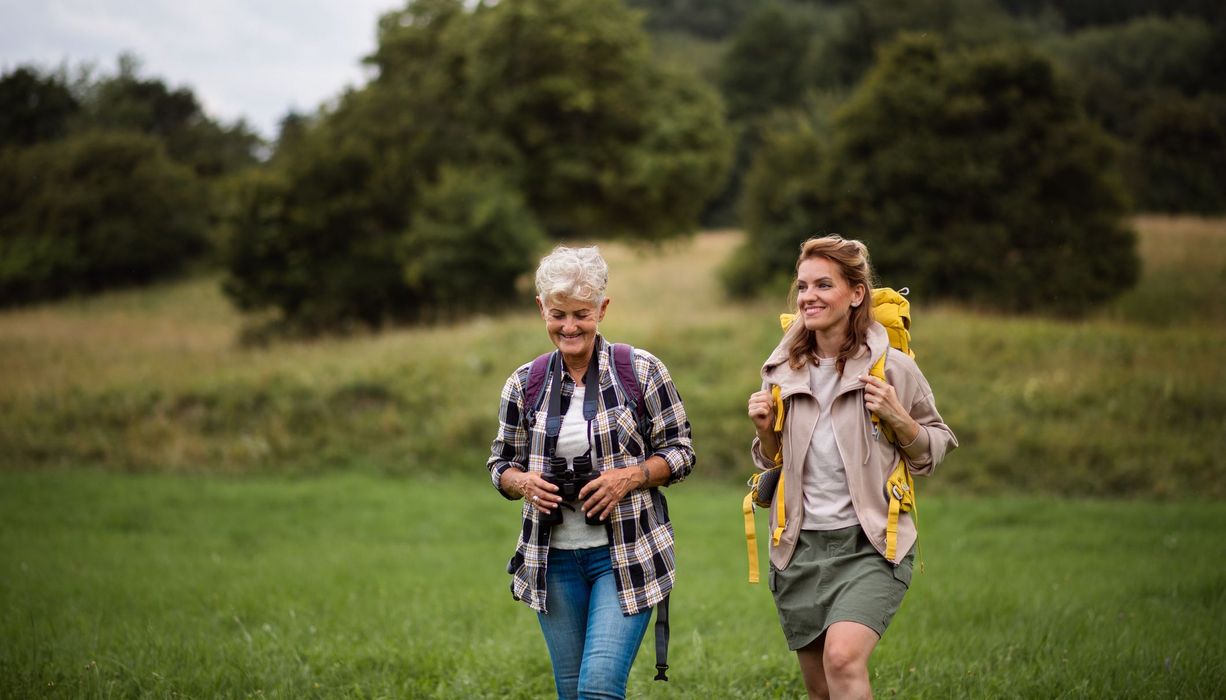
{"type": "Point", "coordinates": [532, 487]}
{"type": "Point", "coordinates": [762, 411]}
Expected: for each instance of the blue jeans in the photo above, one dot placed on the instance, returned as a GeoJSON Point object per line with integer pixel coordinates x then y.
{"type": "Point", "coordinates": [591, 643]}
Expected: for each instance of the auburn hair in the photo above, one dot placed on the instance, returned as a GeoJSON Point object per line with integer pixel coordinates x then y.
{"type": "Point", "coordinates": [851, 258]}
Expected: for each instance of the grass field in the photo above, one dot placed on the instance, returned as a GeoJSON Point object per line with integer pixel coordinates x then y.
{"type": "Point", "coordinates": [374, 587]}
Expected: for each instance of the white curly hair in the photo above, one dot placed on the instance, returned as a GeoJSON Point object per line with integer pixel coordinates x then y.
{"type": "Point", "coordinates": [580, 274]}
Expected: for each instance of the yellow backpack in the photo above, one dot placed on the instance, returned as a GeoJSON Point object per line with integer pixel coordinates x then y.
{"type": "Point", "coordinates": [892, 310]}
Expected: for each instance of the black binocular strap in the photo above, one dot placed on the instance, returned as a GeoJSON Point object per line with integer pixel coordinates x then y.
{"type": "Point", "coordinates": [591, 392]}
{"type": "Point", "coordinates": [662, 639]}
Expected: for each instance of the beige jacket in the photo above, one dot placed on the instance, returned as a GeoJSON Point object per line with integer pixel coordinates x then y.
{"type": "Point", "coordinates": [868, 458]}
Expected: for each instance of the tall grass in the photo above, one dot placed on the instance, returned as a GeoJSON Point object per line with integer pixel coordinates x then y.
{"type": "Point", "coordinates": [349, 585]}
{"type": "Point", "coordinates": [1131, 401]}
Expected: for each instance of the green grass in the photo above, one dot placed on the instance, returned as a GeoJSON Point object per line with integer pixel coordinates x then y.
{"type": "Point", "coordinates": [352, 585]}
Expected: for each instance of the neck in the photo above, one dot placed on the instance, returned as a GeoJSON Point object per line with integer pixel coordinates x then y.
{"type": "Point", "coordinates": [829, 343]}
{"type": "Point", "coordinates": [577, 366]}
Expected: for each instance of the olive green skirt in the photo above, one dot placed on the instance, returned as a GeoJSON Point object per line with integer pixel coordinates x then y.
{"type": "Point", "coordinates": [837, 576]}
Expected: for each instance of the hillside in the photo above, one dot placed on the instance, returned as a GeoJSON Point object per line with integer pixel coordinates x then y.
{"type": "Point", "coordinates": [1131, 402]}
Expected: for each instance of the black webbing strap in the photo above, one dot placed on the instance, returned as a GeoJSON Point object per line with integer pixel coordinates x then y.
{"type": "Point", "coordinates": [662, 639]}
{"type": "Point", "coordinates": [553, 418]}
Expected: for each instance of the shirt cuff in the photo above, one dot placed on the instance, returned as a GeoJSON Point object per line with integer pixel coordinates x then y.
{"type": "Point", "coordinates": [498, 480]}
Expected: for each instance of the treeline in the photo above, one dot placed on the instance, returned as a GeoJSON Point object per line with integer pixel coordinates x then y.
{"type": "Point", "coordinates": [1028, 131]}
{"type": "Point", "coordinates": [106, 180]}
{"type": "Point", "coordinates": [988, 150]}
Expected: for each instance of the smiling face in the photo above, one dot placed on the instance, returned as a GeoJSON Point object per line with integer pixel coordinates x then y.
{"type": "Point", "coordinates": [824, 298]}
{"type": "Point", "coordinates": [571, 325]}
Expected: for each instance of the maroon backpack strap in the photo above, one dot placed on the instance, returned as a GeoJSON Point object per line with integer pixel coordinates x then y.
{"type": "Point", "coordinates": [623, 362]}
{"type": "Point", "coordinates": [536, 382]}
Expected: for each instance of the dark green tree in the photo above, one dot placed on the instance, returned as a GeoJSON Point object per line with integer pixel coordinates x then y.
{"type": "Point", "coordinates": [603, 143]}
{"type": "Point", "coordinates": [470, 238]}
{"type": "Point", "coordinates": [126, 101]}
{"type": "Point", "coordinates": [1178, 157]}
{"type": "Point", "coordinates": [552, 103]}
{"type": "Point", "coordinates": [92, 212]}
{"type": "Point", "coordinates": [765, 67]}
{"type": "Point", "coordinates": [709, 19]}
{"type": "Point", "coordinates": [972, 175]}
{"type": "Point", "coordinates": [34, 107]}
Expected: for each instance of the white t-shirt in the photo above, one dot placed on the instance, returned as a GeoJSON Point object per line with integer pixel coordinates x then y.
{"type": "Point", "coordinates": [827, 497]}
{"type": "Point", "coordinates": [573, 440]}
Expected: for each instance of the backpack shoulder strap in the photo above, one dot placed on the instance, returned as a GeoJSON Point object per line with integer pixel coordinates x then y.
{"type": "Point", "coordinates": [536, 381]}
{"type": "Point", "coordinates": [623, 364]}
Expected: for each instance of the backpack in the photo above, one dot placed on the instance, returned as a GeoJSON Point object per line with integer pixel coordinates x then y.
{"type": "Point", "coordinates": [892, 310]}
{"type": "Point", "coordinates": [623, 370]}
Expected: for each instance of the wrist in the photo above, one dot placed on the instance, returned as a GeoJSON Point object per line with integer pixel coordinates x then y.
{"type": "Point", "coordinates": [510, 481]}
{"type": "Point", "coordinates": [646, 472]}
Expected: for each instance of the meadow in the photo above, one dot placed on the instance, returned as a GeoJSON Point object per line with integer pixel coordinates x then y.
{"type": "Point", "coordinates": [360, 586]}
{"type": "Point", "coordinates": [186, 515]}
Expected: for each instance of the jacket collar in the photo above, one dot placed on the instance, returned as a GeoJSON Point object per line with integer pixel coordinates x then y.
{"type": "Point", "coordinates": [776, 369]}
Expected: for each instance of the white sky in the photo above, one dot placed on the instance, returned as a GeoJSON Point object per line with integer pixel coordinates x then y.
{"type": "Point", "coordinates": [255, 59]}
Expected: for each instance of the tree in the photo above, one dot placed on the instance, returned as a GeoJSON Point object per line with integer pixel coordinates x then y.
{"type": "Point", "coordinates": [470, 238]}
{"type": "Point", "coordinates": [709, 19]}
{"type": "Point", "coordinates": [1180, 154]}
{"type": "Point", "coordinates": [593, 125]}
{"type": "Point", "coordinates": [765, 66]}
{"type": "Point", "coordinates": [553, 104]}
{"type": "Point", "coordinates": [1152, 83]}
{"type": "Point", "coordinates": [92, 212]}
{"type": "Point", "coordinates": [972, 175]}
{"type": "Point", "coordinates": [127, 102]}
{"type": "Point", "coordinates": [34, 107]}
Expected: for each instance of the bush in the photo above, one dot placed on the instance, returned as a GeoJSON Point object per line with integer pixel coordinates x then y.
{"type": "Point", "coordinates": [92, 212]}
{"type": "Point", "coordinates": [470, 239]}
{"type": "Point", "coordinates": [971, 175]}
{"type": "Point", "coordinates": [313, 244]}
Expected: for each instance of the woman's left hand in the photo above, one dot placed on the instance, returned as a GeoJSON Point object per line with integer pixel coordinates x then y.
{"type": "Point", "coordinates": [881, 399]}
{"type": "Point", "coordinates": [604, 492]}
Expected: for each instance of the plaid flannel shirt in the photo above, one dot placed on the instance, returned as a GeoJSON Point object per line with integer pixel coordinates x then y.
{"type": "Point", "coordinates": [640, 535]}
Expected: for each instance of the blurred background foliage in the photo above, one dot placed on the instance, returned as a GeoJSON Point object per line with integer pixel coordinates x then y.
{"type": "Point", "coordinates": [989, 150]}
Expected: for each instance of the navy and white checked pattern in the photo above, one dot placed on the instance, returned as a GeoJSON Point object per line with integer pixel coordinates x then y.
{"type": "Point", "coordinates": [640, 538]}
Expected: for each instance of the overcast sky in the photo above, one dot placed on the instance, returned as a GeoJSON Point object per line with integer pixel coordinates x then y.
{"type": "Point", "coordinates": [243, 58]}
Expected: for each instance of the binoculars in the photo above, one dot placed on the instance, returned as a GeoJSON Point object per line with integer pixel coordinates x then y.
{"type": "Point", "coordinates": [570, 477]}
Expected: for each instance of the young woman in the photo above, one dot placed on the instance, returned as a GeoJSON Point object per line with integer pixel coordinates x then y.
{"type": "Point", "coordinates": [833, 587]}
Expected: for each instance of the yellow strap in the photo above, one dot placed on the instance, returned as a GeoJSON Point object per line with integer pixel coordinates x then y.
{"type": "Point", "coordinates": [779, 502]}
{"type": "Point", "coordinates": [902, 500]}
{"type": "Point", "coordinates": [779, 511]}
{"type": "Point", "coordinates": [891, 530]}
{"type": "Point", "coordinates": [778, 397]}
{"type": "Point", "coordinates": [751, 537]}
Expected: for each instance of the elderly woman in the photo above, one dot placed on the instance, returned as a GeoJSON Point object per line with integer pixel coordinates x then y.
{"type": "Point", "coordinates": [584, 442]}
{"type": "Point", "coordinates": [835, 581]}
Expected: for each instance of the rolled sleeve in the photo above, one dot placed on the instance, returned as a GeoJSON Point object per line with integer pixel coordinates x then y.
{"type": "Point", "coordinates": [509, 450]}
{"type": "Point", "coordinates": [760, 460]}
{"type": "Point", "coordinates": [933, 440]}
{"type": "Point", "coordinates": [670, 427]}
